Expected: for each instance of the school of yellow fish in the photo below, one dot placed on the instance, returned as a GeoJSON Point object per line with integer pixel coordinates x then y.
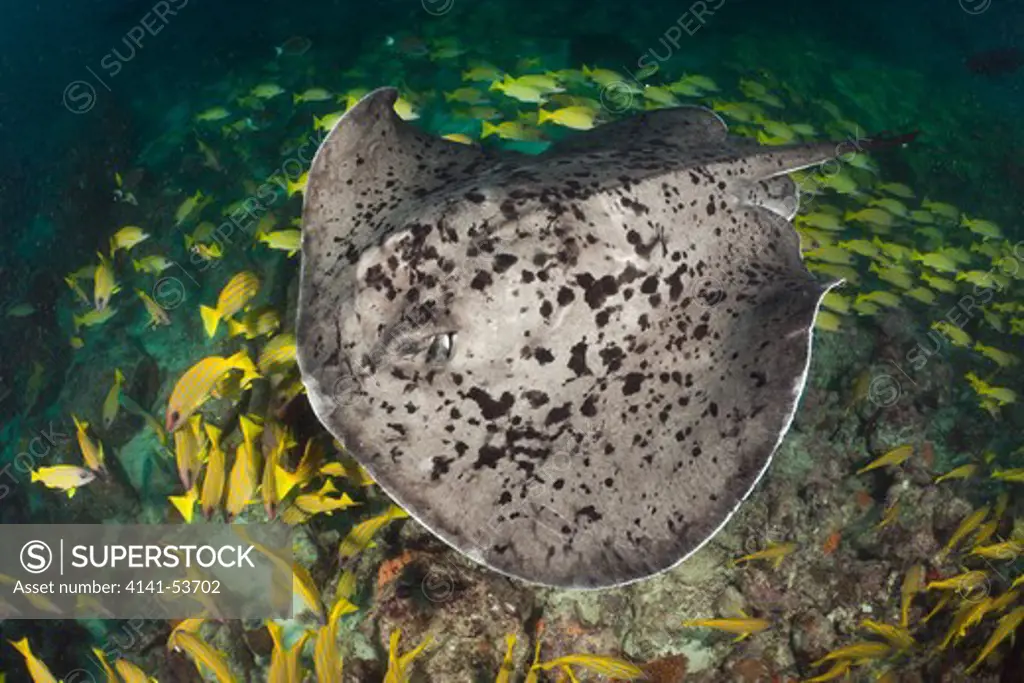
{"type": "Point", "coordinates": [895, 252]}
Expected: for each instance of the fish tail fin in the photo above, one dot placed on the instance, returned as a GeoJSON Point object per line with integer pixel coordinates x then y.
{"type": "Point", "coordinates": [118, 375]}
{"type": "Point", "coordinates": [296, 98]}
{"type": "Point", "coordinates": [235, 328]}
{"type": "Point", "coordinates": [71, 492]}
{"type": "Point", "coordinates": [34, 476]}
{"type": "Point", "coordinates": [317, 122]}
{"type": "Point", "coordinates": [22, 647]}
{"type": "Point", "coordinates": [136, 265]}
{"type": "Point", "coordinates": [544, 115]}
{"type": "Point", "coordinates": [211, 318]}
{"type": "Point", "coordinates": [488, 128]}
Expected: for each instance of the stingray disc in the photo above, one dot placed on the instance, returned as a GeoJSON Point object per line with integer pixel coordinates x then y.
{"type": "Point", "coordinates": [571, 367]}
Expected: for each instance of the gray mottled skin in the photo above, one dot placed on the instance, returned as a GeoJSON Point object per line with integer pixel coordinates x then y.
{"type": "Point", "coordinates": [629, 323]}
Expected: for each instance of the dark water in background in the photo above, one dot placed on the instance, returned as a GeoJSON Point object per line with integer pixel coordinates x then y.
{"type": "Point", "coordinates": [59, 147]}
{"type": "Point", "coordinates": [78, 98]}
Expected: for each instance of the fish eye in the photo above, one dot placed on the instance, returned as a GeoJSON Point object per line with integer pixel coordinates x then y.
{"type": "Point", "coordinates": [441, 346]}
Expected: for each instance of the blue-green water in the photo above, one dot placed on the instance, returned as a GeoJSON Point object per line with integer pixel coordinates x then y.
{"type": "Point", "coordinates": [102, 127]}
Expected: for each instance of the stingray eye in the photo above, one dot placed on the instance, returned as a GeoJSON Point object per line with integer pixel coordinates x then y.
{"type": "Point", "coordinates": [440, 350]}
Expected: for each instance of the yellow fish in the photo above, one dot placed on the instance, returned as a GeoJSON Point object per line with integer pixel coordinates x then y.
{"type": "Point", "coordinates": [63, 477]}
{"type": "Point", "coordinates": [327, 663]}
{"type": "Point", "coordinates": [243, 478]}
{"type": "Point", "coordinates": [284, 240]}
{"type": "Point", "coordinates": [200, 652]}
{"type": "Point", "coordinates": [697, 81]}
{"type": "Point", "coordinates": [922, 294]}
{"type": "Point", "coordinates": [862, 247]}
{"type": "Point", "coordinates": [199, 381]}
{"type": "Point", "coordinates": [482, 72]}
{"type": "Point", "coordinates": [213, 114]}
{"type": "Point", "coordinates": [508, 130]}
{"type": "Point", "coordinates": [398, 667]}
{"type": "Point", "coordinates": [213, 481]}
{"type": "Point", "coordinates": [1006, 550]}
{"type": "Point", "coordinates": [967, 526]}
{"type": "Point", "coordinates": [1015, 475]}
{"type": "Point", "coordinates": [360, 536]}
{"type": "Point", "coordinates": [894, 275]}
{"type": "Point", "coordinates": [267, 91]}
{"type": "Point", "coordinates": [107, 670]}
{"type": "Point", "coordinates": [819, 219]}
{"type": "Point", "coordinates": [185, 504]}
{"type": "Point", "coordinates": [897, 189]}
{"type": "Point", "coordinates": [327, 121]}
{"type": "Point", "coordinates": [104, 285]}
{"type": "Point", "coordinates": [188, 447]}
{"type": "Point", "coordinates": [937, 261]}
{"type": "Point", "coordinates": [1006, 627]}
{"type": "Point", "coordinates": [837, 271]}
{"type": "Point", "coordinates": [236, 294]}
{"type": "Point", "coordinates": [744, 627]}
{"type": "Point", "coordinates": [297, 186]}
{"type": "Point", "coordinates": [872, 216]}
{"type": "Point", "coordinates": [836, 302]}
{"type": "Point", "coordinates": [962, 472]}
{"type": "Point", "coordinates": [893, 206]}
{"type": "Point", "coordinates": [862, 650]}
{"type": "Point", "coordinates": [603, 665]}
{"type": "Point", "coordinates": [577, 118]}
{"type": "Point", "coordinates": [836, 255]}
{"type": "Point", "coordinates": [961, 583]}
{"type": "Point", "coordinates": [758, 91]}
{"type": "Point", "coordinates": [881, 297]}
{"type": "Point", "coordinates": [157, 314]}
{"type": "Point", "coordinates": [187, 207]}
{"type": "Point", "coordinates": [840, 668]}
{"type": "Point", "coordinates": [982, 227]}
{"type": "Point", "coordinates": [92, 452]}
{"type": "Point", "coordinates": [255, 323]}
{"type": "Point", "coordinates": [112, 402]}
{"type": "Point", "coordinates": [913, 583]}
{"type": "Point", "coordinates": [126, 238]}
{"type": "Point", "coordinates": [1001, 395]}
{"type": "Point", "coordinates": [603, 76]}
{"type": "Point", "coordinates": [1001, 358]}
{"type": "Point", "coordinates": [311, 95]}
{"type": "Point", "coordinates": [776, 552]}
{"type": "Point", "coordinates": [405, 110]}
{"type": "Point", "coordinates": [131, 673]}
{"type": "Point", "coordinates": [828, 321]}
{"type": "Point", "coordinates": [939, 284]}
{"type": "Point", "coordinates": [954, 334]}
{"type": "Point", "coordinates": [898, 636]}
{"type": "Point", "coordinates": [524, 93]}
{"type": "Point", "coordinates": [984, 278]}
{"type": "Point", "coordinates": [73, 284]}
{"type": "Point", "coordinates": [864, 307]}
{"type": "Point", "coordinates": [36, 669]}
{"type": "Point", "coordinates": [315, 503]}
{"type": "Point", "coordinates": [461, 138]}
{"type": "Point", "coordinates": [284, 664]}
{"type": "Point", "coordinates": [465, 95]}
{"type": "Point", "coordinates": [970, 612]}
{"type": "Point", "coordinates": [893, 458]}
